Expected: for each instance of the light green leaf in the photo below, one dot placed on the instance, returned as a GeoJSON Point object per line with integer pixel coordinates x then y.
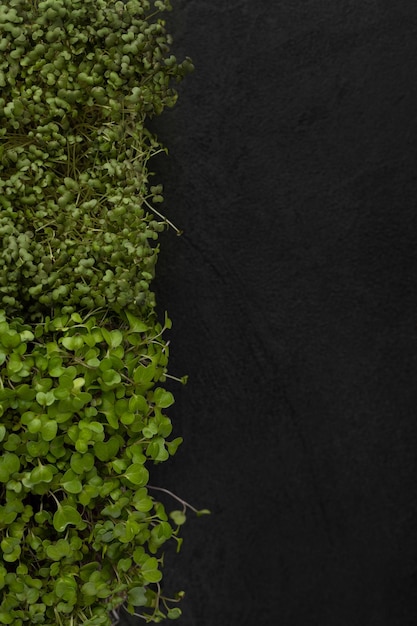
{"type": "Point", "coordinates": [41, 474]}
{"type": "Point", "coordinates": [178, 517]}
{"type": "Point", "coordinates": [136, 325]}
{"type": "Point", "coordinates": [138, 404]}
{"type": "Point", "coordinates": [45, 399]}
{"type": "Point", "coordinates": [143, 375]}
{"type": "Point", "coordinates": [93, 362]}
{"type": "Point", "coordinates": [173, 445]}
{"type": "Point", "coordinates": [119, 465]}
{"type": "Point", "coordinates": [150, 430]}
{"type": "Point", "coordinates": [66, 589]}
{"type": "Point", "coordinates": [150, 572]}
{"type": "Point", "coordinates": [116, 338]}
{"type": "Point", "coordinates": [137, 474]}
{"type": "Point", "coordinates": [49, 430]}
{"type": "Point", "coordinates": [111, 377]}
{"type": "Point", "coordinates": [58, 550]}
{"type": "Point", "coordinates": [128, 418]}
{"type": "Point", "coordinates": [106, 450]}
{"type": "Point", "coordinates": [164, 530]}
{"type": "Point", "coordinates": [89, 589]}
{"type": "Point", "coordinates": [124, 565]}
{"type": "Point", "coordinates": [77, 383]}
{"type": "Point", "coordinates": [72, 486]}
{"type": "Point", "coordinates": [156, 450]}
{"type": "Point", "coordinates": [106, 336]}
{"type": "Point", "coordinates": [141, 501]}
{"type": "Point", "coordinates": [72, 343]}
{"type": "Point", "coordinates": [163, 398]}
{"type": "Point", "coordinates": [10, 339]}
{"type": "Point", "coordinates": [34, 425]}
{"type": "Point", "coordinates": [14, 364]}
{"type": "Point", "coordinates": [55, 368]}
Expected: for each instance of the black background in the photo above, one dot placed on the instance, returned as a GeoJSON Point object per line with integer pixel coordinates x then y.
{"type": "Point", "coordinates": [293, 293]}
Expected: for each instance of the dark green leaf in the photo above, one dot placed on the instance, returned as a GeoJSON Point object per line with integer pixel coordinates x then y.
{"type": "Point", "coordinates": [64, 516]}
{"type": "Point", "coordinates": [137, 596]}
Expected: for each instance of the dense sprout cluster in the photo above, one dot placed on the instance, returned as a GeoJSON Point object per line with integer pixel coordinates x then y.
{"type": "Point", "coordinates": [83, 358]}
{"type": "Point", "coordinates": [79, 79]}
{"type": "Point", "coordinates": [80, 417]}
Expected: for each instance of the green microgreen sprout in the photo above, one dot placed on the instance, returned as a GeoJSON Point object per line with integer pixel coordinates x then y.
{"type": "Point", "coordinates": [83, 356]}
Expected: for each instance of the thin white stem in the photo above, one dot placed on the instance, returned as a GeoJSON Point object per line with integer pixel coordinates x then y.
{"type": "Point", "coordinates": [177, 230]}
{"type": "Point", "coordinates": [183, 502]}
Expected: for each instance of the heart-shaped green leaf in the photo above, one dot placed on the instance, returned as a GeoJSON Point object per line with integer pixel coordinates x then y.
{"type": "Point", "coordinates": [15, 364]}
{"type": "Point", "coordinates": [64, 516]}
{"type": "Point", "coordinates": [150, 570]}
{"type": "Point", "coordinates": [55, 367]}
{"type": "Point", "coordinates": [9, 464]}
{"type": "Point", "coordinates": [59, 550]}
{"type": "Point", "coordinates": [81, 463]}
{"type": "Point", "coordinates": [107, 450]}
{"type": "Point", "coordinates": [49, 430]}
{"type": "Point", "coordinates": [41, 474]}
{"type": "Point", "coordinates": [66, 589]}
{"type": "Point", "coordinates": [163, 398]}
{"type": "Point", "coordinates": [138, 404]}
{"type": "Point", "coordinates": [143, 375]}
{"type": "Point", "coordinates": [137, 474]}
{"type": "Point", "coordinates": [137, 596]}
{"type": "Point", "coordinates": [137, 325]}
{"type": "Point", "coordinates": [72, 343]}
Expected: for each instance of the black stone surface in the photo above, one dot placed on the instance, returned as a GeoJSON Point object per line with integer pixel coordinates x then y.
{"type": "Point", "coordinates": [293, 292]}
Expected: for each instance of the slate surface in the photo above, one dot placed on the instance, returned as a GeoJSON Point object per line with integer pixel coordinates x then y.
{"type": "Point", "coordinates": [293, 293]}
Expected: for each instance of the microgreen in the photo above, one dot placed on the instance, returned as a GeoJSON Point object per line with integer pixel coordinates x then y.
{"type": "Point", "coordinates": [76, 449]}
{"type": "Point", "coordinates": [78, 218]}
{"type": "Point", "coordinates": [83, 357]}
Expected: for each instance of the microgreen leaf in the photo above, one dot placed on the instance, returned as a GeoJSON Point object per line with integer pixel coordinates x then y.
{"type": "Point", "coordinates": [178, 517]}
{"type": "Point", "coordinates": [107, 450]}
{"type": "Point", "coordinates": [81, 351]}
{"type": "Point", "coordinates": [59, 550]}
{"type": "Point", "coordinates": [137, 596]}
{"type": "Point", "coordinates": [64, 516]}
{"type": "Point", "coordinates": [150, 570]}
{"type": "Point", "coordinates": [163, 398]}
{"type": "Point", "coordinates": [137, 474]}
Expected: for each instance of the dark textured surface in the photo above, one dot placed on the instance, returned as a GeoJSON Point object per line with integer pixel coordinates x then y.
{"type": "Point", "coordinates": [293, 293]}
